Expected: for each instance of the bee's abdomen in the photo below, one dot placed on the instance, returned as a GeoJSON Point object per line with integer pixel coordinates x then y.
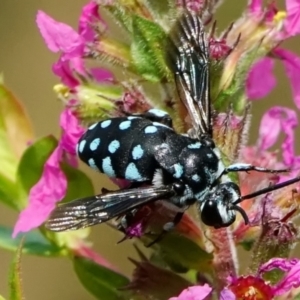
{"type": "Point", "coordinates": [123, 147]}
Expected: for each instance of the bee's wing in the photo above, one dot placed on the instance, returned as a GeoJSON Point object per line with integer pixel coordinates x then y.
{"type": "Point", "coordinates": [187, 55]}
{"type": "Point", "coordinates": [97, 209]}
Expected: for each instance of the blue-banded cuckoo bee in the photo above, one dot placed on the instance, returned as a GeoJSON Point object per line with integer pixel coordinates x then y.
{"type": "Point", "coordinates": [183, 169]}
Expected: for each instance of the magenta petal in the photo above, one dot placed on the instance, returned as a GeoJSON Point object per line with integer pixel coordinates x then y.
{"type": "Point", "coordinates": [255, 7]}
{"type": "Point", "coordinates": [227, 294]}
{"type": "Point", "coordinates": [89, 16]}
{"type": "Point", "coordinates": [59, 36]}
{"type": "Point", "coordinates": [269, 129]}
{"type": "Point", "coordinates": [83, 250]}
{"type": "Point", "coordinates": [291, 64]}
{"type": "Point", "coordinates": [50, 189]}
{"type": "Point", "coordinates": [257, 88]}
{"type": "Point", "coordinates": [62, 69]}
{"type": "Point", "coordinates": [292, 22]}
{"type": "Point", "coordinates": [72, 131]}
{"type": "Point", "coordinates": [65, 68]}
{"type": "Point", "coordinates": [291, 278]}
{"type": "Point", "coordinates": [77, 64]}
{"type": "Point", "coordinates": [194, 293]}
{"type": "Point", "coordinates": [284, 264]}
{"type": "Point", "coordinates": [101, 75]}
{"type": "Point", "coordinates": [275, 121]}
{"type": "Point", "coordinates": [288, 145]}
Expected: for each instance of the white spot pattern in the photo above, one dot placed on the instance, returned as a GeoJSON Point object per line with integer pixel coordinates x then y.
{"type": "Point", "coordinates": [178, 170]}
{"type": "Point", "coordinates": [196, 145]}
{"type": "Point", "coordinates": [113, 146]}
{"type": "Point", "coordinates": [107, 167]}
{"type": "Point", "coordinates": [133, 117]}
{"type": "Point", "coordinates": [157, 112]}
{"type": "Point", "coordinates": [105, 124]}
{"type": "Point", "coordinates": [92, 164]}
{"type": "Point", "coordinates": [137, 152]}
{"type": "Point", "coordinates": [150, 129]}
{"type": "Point", "coordinates": [124, 125]}
{"type": "Point", "coordinates": [196, 177]}
{"type": "Point", "coordinates": [92, 126]}
{"type": "Point", "coordinates": [160, 124]}
{"type": "Point", "coordinates": [132, 173]}
{"type": "Point", "coordinates": [95, 144]}
{"type": "Point", "coordinates": [81, 146]}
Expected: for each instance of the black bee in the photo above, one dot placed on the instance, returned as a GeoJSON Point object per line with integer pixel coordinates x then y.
{"type": "Point", "coordinates": [181, 168]}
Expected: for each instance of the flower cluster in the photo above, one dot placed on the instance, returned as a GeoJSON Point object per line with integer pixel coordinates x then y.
{"type": "Point", "coordinates": [191, 262]}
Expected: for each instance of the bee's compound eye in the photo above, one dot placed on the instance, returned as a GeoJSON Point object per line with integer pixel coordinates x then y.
{"type": "Point", "coordinates": [210, 214]}
{"type": "Point", "coordinates": [178, 187]}
{"type": "Point", "coordinates": [216, 214]}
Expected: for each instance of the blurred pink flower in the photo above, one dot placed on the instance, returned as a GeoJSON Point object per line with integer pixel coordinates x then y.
{"type": "Point", "coordinates": [72, 44]}
{"type": "Point", "coordinates": [291, 63]}
{"type": "Point", "coordinates": [59, 36]}
{"type": "Point", "coordinates": [291, 278]}
{"type": "Point", "coordinates": [52, 186]}
{"type": "Point", "coordinates": [292, 22]}
{"type": "Point", "coordinates": [262, 72]}
{"type": "Point", "coordinates": [89, 16]}
{"type": "Point", "coordinates": [255, 7]}
{"type": "Point", "coordinates": [194, 293]}
{"type": "Point", "coordinates": [261, 81]}
{"type": "Point", "coordinates": [243, 286]}
{"type": "Point", "coordinates": [279, 120]}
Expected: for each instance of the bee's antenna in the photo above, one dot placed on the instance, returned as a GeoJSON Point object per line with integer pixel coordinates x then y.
{"type": "Point", "coordinates": [268, 189]}
{"type": "Point", "coordinates": [242, 212]}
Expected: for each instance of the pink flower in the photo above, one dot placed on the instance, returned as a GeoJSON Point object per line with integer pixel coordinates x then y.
{"type": "Point", "coordinates": [291, 278]}
{"type": "Point", "coordinates": [243, 286]}
{"type": "Point", "coordinates": [255, 7]}
{"type": "Point", "coordinates": [60, 37]}
{"type": "Point", "coordinates": [89, 16]}
{"type": "Point", "coordinates": [262, 69]}
{"type": "Point", "coordinates": [52, 186]}
{"type": "Point", "coordinates": [84, 250]}
{"type": "Point", "coordinates": [194, 293]}
{"type": "Point", "coordinates": [257, 88]}
{"type": "Point", "coordinates": [291, 63]}
{"type": "Point", "coordinates": [292, 22]}
{"type": "Point", "coordinates": [201, 292]}
{"type": "Point", "coordinates": [64, 70]}
{"type": "Point", "coordinates": [280, 120]}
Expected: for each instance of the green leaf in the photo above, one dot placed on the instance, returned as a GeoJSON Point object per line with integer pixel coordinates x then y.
{"type": "Point", "coordinates": [9, 192]}
{"type": "Point", "coordinates": [32, 162]}
{"type": "Point", "coordinates": [15, 282]}
{"type": "Point", "coordinates": [79, 184]}
{"type": "Point", "coordinates": [156, 282]}
{"type": "Point", "coordinates": [34, 243]}
{"type": "Point", "coordinates": [2, 298]}
{"type": "Point", "coordinates": [182, 253]}
{"type": "Point", "coordinates": [15, 131]}
{"type": "Point", "coordinates": [146, 49]}
{"type": "Point", "coordinates": [162, 11]}
{"type": "Point", "coordinates": [15, 120]}
{"type": "Point", "coordinates": [100, 281]}
{"type": "Point", "coordinates": [98, 101]}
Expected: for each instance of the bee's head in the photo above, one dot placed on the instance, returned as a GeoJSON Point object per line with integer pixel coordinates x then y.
{"type": "Point", "coordinates": [218, 208]}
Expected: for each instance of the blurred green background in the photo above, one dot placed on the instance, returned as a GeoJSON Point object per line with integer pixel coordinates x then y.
{"type": "Point", "coordinates": [26, 65]}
